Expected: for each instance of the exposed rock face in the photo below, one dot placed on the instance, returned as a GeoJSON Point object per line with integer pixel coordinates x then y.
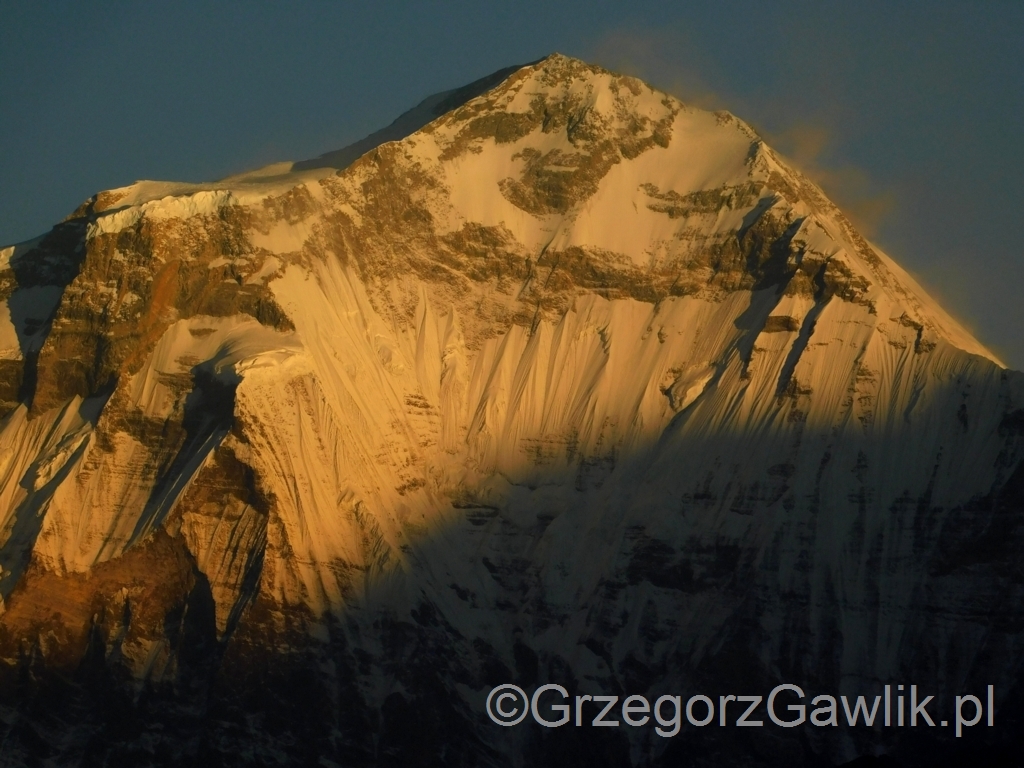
{"type": "Point", "coordinates": [572, 384]}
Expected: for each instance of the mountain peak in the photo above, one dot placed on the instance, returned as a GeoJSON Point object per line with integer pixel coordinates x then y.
{"type": "Point", "coordinates": [556, 374]}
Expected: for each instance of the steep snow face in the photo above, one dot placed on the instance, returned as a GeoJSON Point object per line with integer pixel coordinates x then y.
{"type": "Point", "coordinates": [573, 373]}
{"type": "Point", "coordinates": [117, 499]}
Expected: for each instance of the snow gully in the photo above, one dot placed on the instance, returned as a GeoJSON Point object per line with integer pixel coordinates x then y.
{"type": "Point", "coordinates": [508, 705]}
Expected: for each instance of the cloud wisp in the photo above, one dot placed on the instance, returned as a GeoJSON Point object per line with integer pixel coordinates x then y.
{"type": "Point", "coordinates": [672, 60]}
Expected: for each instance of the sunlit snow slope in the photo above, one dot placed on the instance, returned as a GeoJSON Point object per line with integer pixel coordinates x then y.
{"type": "Point", "coordinates": [574, 383]}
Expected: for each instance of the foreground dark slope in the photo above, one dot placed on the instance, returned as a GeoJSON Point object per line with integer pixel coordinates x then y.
{"type": "Point", "coordinates": [573, 384]}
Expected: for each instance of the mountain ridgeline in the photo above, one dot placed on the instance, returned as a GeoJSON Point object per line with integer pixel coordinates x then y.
{"type": "Point", "coordinates": [555, 380]}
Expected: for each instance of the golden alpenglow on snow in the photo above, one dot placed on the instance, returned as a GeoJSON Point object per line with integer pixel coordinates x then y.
{"type": "Point", "coordinates": [554, 381]}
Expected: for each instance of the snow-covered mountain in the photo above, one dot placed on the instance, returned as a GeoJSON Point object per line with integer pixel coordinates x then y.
{"type": "Point", "coordinates": [554, 380]}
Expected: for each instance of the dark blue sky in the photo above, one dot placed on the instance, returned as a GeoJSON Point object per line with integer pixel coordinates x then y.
{"type": "Point", "coordinates": [911, 115]}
